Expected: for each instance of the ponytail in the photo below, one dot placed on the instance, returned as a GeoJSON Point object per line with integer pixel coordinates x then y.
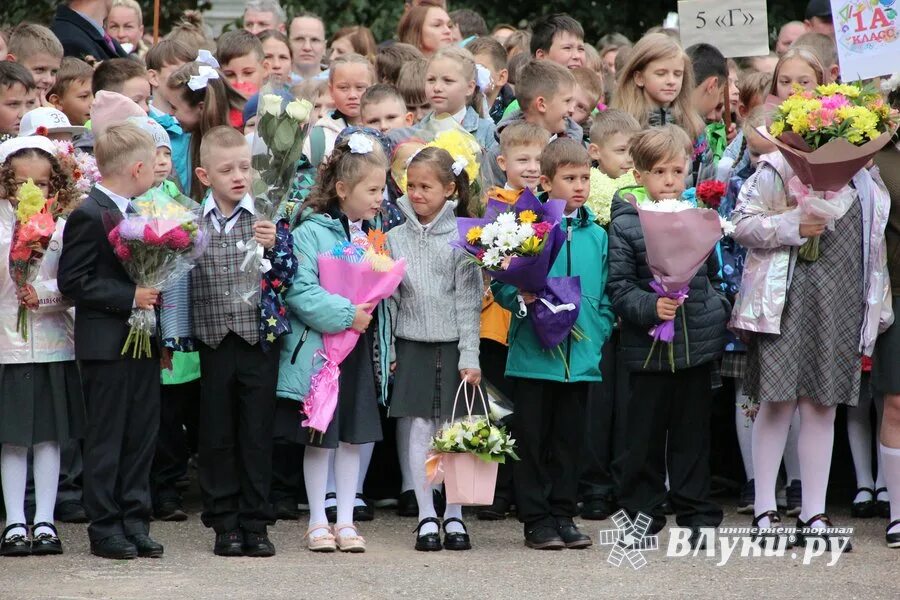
{"type": "Point", "coordinates": [342, 165]}
{"type": "Point", "coordinates": [441, 163]}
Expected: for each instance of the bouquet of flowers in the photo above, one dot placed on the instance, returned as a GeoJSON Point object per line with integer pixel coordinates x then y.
{"type": "Point", "coordinates": [364, 273]}
{"type": "Point", "coordinates": [81, 166]}
{"type": "Point", "coordinates": [710, 193]}
{"type": "Point", "coordinates": [156, 252]}
{"type": "Point", "coordinates": [465, 454]}
{"type": "Point", "coordinates": [603, 188]}
{"type": "Point", "coordinates": [678, 238]}
{"type": "Point", "coordinates": [276, 148]}
{"type": "Point", "coordinates": [826, 135]}
{"type": "Point", "coordinates": [35, 224]}
{"type": "Point", "coordinates": [517, 245]}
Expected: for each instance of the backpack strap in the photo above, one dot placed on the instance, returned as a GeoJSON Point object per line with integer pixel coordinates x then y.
{"type": "Point", "coordinates": [316, 146]}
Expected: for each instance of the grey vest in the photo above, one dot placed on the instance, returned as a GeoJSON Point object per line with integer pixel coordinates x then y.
{"type": "Point", "coordinates": [215, 285]}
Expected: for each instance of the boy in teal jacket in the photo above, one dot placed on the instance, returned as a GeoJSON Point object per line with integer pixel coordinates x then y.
{"type": "Point", "coordinates": [550, 394]}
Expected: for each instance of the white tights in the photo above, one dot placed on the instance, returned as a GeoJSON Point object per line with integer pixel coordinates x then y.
{"type": "Point", "coordinates": [316, 463]}
{"type": "Point", "coordinates": [14, 473]}
{"type": "Point", "coordinates": [420, 433]}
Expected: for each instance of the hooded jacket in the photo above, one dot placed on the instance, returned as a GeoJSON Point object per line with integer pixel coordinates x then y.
{"type": "Point", "coordinates": [439, 299]}
{"type": "Point", "coordinates": [331, 125]}
{"type": "Point", "coordinates": [583, 255]}
{"type": "Point", "coordinates": [706, 307]}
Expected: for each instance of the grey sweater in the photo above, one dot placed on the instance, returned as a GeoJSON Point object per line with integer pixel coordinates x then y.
{"type": "Point", "coordinates": [439, 299]}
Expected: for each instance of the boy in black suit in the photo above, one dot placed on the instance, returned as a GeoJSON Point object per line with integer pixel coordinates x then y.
{"type": "Point", "coordinates": [79, 26]}
{"type": "Point", "coordinates": [121, 393]}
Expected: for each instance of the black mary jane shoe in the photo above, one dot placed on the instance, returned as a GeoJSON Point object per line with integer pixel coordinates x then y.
{"type": "Point", "coordinates": [407, 505]}
{"type": "Point", "coordinates": [806, 532]}
{"type": "Point", "coordinates": [865, 509]}
{"type": "Point", "coordinates": [44, 544]}
{"type": "Point", "coordinates": [428, 542]}
{"type": "Point", "coordinates": [882, 507]}
{"type": "Point", "coordinates": [772, 533]}
{"type": "Point", "coordinates": [15, 545]}
{"type": "Point", "coordinates": [366, 512]}
{"type": "Point", "coordinates": [892, 539]}
{"type": "Point", "coordinates": [456, 541]}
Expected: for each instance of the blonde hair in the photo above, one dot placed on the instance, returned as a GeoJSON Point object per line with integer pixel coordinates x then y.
{"type": "Point", "coordinates": [632, 99]}
{"type": "Point", "coordinates": [610, 122]}
{"type": "Point", "coordinates": [522, 134]}
{"type": "Point", "coordinates": [591, 82]}
{"type": "Point", "coordinates": [28, 39]}
{"type": "Point", "coordinates": [652, 146]}
{"type": "Point", "coordinates": [592, 59]}
{"type": "Point", "coordinates": [122, 145]}
{"type": "Point", "coordinates": [132, 5]}
{"type": "Point", "coordinates": [466, 62]}
{"type": "Point", "coordinates": [806, 55]}
{"type": "Point", "coordinates": [223, 136]}
{"type": "Point", "coordinates": [351, 59]}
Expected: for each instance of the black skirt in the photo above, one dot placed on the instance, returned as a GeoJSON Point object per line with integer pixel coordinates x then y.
{"type": "Point", "coordinates": [356, 419]}
{"type": "Point", "coordinates": [40, 402]}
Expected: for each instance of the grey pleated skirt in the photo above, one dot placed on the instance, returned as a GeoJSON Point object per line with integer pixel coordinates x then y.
{"type": "Point", "coordinates": [817, 354]}
{"type": "Point", "coordinates": [40, 402]}
{"type": "Point", "coordinates": [426, 381]}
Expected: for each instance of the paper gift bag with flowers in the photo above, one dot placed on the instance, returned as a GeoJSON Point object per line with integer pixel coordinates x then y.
{"type": "Point", "coordinates": [465, 453]}
{"type": "Point", "coordinates": [826, 135]}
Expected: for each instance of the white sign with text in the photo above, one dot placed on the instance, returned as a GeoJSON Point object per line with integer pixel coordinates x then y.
{"type": "Point", "coordinates": [736, 27]}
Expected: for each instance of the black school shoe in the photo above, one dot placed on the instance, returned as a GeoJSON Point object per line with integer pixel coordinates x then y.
{"type": "Point", "coordinates": [805, 532]}
{"type": "Point", "coordinates": [15, 545]}
{"type": "Point", "coordinates": [116, 547]}
{"type": "Point", "coordinates": [865, 509]}
{"type": "Point", "coordinates": [882, 507]}
{"type": "Point", "coordinates": [286, 510]}
{"type": "Point", "coordinates": [495, 512]}
{"type": "Point", "coordinates": [428, 542]}
{"type": "Point", "coordinates": [331, 511]}
{"type": "Point", "coordinates": [892, 539]}
{"type": "Point", "coordinates": [45, 544]}
{"type": "Point", "coordinates": [257, 545]}
{"type": "Point", "coordinates": [597, 508]}
{"type": "Point", "coordinates": [229, 543]}
{"type": "Point", "coordinates": [794, 497]}
{"type": "Point", "coordinates": [169, 510]}
{"type": "Point", "coordinates": [70, 511]}
{"type": "Point", "coordinates": [407, 506]}
{"type": "Point", "coordinates": [571, 536]}
{"type": "Point", "coordinates": [456, 541]}
{"type": "Point", "coordinates": [146, 546]}
{"type": "Point", "coordinates": [366, 512]}
{"type": "Point", "coordinates": [543, 536]}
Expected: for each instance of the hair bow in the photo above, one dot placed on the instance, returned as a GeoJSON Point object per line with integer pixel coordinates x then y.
{"type": "Point", "coordinates": [458, 165]}
{"type": "Point", "coordinates": [199, 81]}
{"type": "Point", "coordinates": [360, 143]}
{"type": "Point", "coordinates": [206, 57]}
{"type": "Point", "coordinates": [483, 79]}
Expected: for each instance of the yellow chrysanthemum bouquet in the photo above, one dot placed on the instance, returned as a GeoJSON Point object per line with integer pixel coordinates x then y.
{"type": "Point", "coordinates": [827, 135]}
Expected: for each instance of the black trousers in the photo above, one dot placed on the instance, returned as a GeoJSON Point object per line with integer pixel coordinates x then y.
{"type": "Point", "coordinates": [601, 419]}
{"type": "Point", "coordinates": [493, 368]}
{"type": "Point", "coordinates": [287, 472]}
{"type": "Point", "coordinates": [548, 425]}
{"type": "Point", "coordinates": [669, 425]}
{"type": "Point", "coordinates": [237, 404]}
{"type": "Point", "coordinates": [122, 403]}
{"type": "Point", "coordinates": [171, 459]}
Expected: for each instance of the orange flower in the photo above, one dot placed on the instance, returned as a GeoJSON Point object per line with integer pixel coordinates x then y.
{"type": "Point", "coordinates": [377, 241]}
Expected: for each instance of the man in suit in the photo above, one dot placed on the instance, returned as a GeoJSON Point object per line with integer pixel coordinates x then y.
{"type": "Point", "coordinates": [122, 395]}
{"type": "Point", "coordinates": [79, 26]}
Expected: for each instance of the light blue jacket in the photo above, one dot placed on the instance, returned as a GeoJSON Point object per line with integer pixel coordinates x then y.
{"type": "Point", "coordinates": [314, 311]}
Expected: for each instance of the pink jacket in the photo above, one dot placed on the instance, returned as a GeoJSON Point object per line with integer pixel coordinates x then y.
{"type": "Point", "coordinates": [767, 223]}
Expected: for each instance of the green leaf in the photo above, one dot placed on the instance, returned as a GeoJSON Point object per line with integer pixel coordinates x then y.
{"type": "Point", "coordinates": [284, 136]}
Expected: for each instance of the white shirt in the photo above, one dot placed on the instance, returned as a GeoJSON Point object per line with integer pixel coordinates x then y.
{"type": "Point", "coordinates": [210, 206]}
{"type": "Point", "coordinates": [121, 202]}
{"type": "Point", "coordinates": [572, 214]}
{"type": "Point", "coordinates": [458, 117]}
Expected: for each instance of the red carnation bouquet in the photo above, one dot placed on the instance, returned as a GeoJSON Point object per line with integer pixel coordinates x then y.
{"type": "Point", "coordinates": [157, 243]}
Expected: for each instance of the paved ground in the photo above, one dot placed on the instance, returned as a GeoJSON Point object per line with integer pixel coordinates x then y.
{"type": "Point", "coordinates": [498, 567]}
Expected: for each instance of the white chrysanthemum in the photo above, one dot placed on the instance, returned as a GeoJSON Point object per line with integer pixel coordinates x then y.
{"type": "Point", "coordinates": [492, 258]}
{"type": "Point", "coordinates": [506, 219]}
{"type": "Point", "coordinates": [488, 234]}
{"type": "Point", "coordinates": [727, 226]}
{"type": "Point", "coordinates": [525, 232]}
{"type": "Point", "coordinates": [669, 205]}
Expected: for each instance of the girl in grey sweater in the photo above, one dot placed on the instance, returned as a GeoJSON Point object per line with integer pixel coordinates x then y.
{"type": "Point", "coordinates": [437, 316]}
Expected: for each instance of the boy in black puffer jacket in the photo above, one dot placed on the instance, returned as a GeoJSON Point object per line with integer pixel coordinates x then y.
{"type": "Point", "coordinates": [669, 411]}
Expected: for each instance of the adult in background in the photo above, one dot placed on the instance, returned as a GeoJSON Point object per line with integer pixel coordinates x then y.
{"type": "Point", "coordinates": [788, 34]}
{"type": "Point", "coordinates": [818, 17]}
{"type": "Point", "coordinates": [307, 38]}
{"type": "Point", "coordinates": [427, 27]}
{"type": "Point", "coordinates": [263, 15]}
{"type": "Point", "coordinates": [79, 26]}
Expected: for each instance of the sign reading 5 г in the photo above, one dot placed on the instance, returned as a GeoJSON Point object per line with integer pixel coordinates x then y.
{"type": "Point", "coordinates": [868, 37]}
{"type": "Point", "coordinates": [735, 27]}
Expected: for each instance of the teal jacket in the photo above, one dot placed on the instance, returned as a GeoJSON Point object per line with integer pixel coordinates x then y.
{"type": "Point", "coordinates": [181, 146]}
{"type": "Point", "coordinates": [313, 311]}
{"type": "Point", "coordinates": [584, 255]}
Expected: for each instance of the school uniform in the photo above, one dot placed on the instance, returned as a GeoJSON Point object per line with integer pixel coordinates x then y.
{"type": "Point", "coordinates": [238, 376]}
{"type": "Point", "coordinates": [121, 393]}
{"type": "Point", "coordinates": [81, 37]}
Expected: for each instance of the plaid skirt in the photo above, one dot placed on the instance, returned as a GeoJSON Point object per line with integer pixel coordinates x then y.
{"type": "Point", "coordinates": [816, 356]}
{"type": "Point", "coordinates": [734, 365]}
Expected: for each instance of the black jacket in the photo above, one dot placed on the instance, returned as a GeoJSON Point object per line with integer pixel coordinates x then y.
{"type": "Point", "coordinates": [634, 301]}
{"type": "Point", "coordinates": [92, 276]}
{"type": "Point", "coordinates": [80, 38]}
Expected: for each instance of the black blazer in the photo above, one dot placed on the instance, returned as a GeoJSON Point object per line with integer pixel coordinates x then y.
{"type": "Point", "coordinates": [91, 275]}
{"type": "Point", "coordinates": [80, 38]}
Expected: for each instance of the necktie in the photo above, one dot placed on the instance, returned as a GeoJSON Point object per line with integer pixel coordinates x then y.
{"type": "Point", "coordinates": [109, 43]}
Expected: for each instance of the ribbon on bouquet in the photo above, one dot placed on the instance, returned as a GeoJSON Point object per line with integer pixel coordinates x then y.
{"type": "Point", "coordinates": [665, 331]}
{"type": "Point", "coordinates": [825, 206]}
{"type": "Point", "coordinates": [321, 402]}
{"type": "Point", "coordinates": [554, 308]}
{"type": "Point", "coordinates": [255, 253]}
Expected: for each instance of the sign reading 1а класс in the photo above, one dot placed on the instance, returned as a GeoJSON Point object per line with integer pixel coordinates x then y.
{"type": "Point", "coordinates": [736, 27]}
{"type": "Point", "coordinates": [868, 37]}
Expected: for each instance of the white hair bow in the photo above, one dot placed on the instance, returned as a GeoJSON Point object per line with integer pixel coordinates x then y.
{"type": "Point", "coordinates": [206, 57]}
{"type": "Point", "coordinates": [360, 144]}
{"type": "Point", "coordinates": [891, 84]}
{"type": "Point", "coordinates": [458, 165]}
{"type": "Point", "coordinates": [199, 81]}
{"type": "Point", "coordinates": [483, 79]}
